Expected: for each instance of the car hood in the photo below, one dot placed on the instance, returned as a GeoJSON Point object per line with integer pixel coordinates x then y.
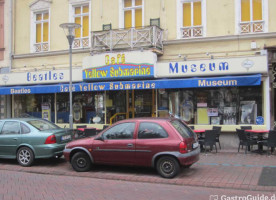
{"type": "Point", "coordinates": [80, 142]}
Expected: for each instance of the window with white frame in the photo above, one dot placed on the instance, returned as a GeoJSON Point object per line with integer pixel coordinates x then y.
{"type": "Point", "coordinates": [40, 26]}
{"type": "Point", "coordinates": [133, 13]}
{"type": "Point", "coordinates": [252, 16]}
{"type": "Point", "coordinates": [81, 16]}
{"type": "Point", "coordinates": [41, 31]}
{"type": "Point", "coordinates": [191, 18]}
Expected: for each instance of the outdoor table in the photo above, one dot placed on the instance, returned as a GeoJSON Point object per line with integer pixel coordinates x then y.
{"type": "Point", "coordinates": [259, 133]}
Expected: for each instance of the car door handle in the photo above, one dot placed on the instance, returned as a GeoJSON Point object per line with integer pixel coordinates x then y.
{"type": "Point", "coordinates": [129, 145]}
{"type": "Point", "coordinates": [15, 138]}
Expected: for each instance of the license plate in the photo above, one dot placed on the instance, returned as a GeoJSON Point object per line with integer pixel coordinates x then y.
{"type": "Point", "coordinates": [195, 145]}
{"type": "Point", "coordinates": [66, 137]}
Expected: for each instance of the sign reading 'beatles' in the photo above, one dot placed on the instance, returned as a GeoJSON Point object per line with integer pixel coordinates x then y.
{"type": "Point", "coordinates": [119, 66]}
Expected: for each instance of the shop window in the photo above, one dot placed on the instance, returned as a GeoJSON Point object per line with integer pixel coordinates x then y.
{"type": "Point", "coordinates": [191, 16]}
{"type": "Point", "coordinates": [81, 16]}
{"type": "Point", "coordinates": [216, 106]}
{"type": "Point", "coordinates": [34, 105]}
{"type": "Point", "coordinates": [133, 13]}
{"type": "Point", "coordinates": [115, 106]}
{"type": "Point", "coordinates": [252, 17]}
{"type": "Point", "coordinates": [88, 108]}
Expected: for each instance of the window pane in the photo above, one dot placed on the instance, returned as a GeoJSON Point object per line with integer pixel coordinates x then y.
{"type": "Point", "coordinates": [77, 10]}
{"type": "Point", "coordinates": [45, 16]}
{"type": "Point", "coordinates": [11, 128]}
{"type": "Point", "coordinates": [257, 10]}
{"type": "Point", "coordinates": [128, 3]}
{"type": "Point", "coordinates": [186, 14]}
{"type": "Point", "coordinates": [245, 10]}
{"type": "Point", "coordinates": [38, 17]}
{"type": "Point", "coordinates": [128, 16]}
{"type": "Point", "coordinates": [138, 2]}
{"type": "Point", "coordinates": [85, 9]}
{"type": "Point", "coordinates": [138, 17]}
{"type": "Point", "coordinates": [197, 14]}
{"type": "Point", "coordinates": [45, 32]}
{"type": "Point", "coordinates": [121, 131]}
{"type": "Point", "coordinates": [38, 33]}
{"type": "Point", "coordinates": [85, 26]}
{"type": "Point", "coordinates": [25, 129]}
{"type": "Point", "coordinates": [151, 130]}
{"type": "Point", "coordinates": [78, 31]}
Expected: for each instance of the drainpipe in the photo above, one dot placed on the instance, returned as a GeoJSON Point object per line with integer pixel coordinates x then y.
{"type": "Point", "coordinates": [11, 33]}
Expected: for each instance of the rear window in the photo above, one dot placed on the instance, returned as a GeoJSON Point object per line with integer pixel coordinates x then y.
{"type": "Point", "coordinates": [43, 125]}
{"type": "Point", "coordinates": [182, 129]}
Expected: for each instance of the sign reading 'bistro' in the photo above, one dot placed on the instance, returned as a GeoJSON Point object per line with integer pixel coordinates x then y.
{"type": "Point", "coordinates": [119, 66]}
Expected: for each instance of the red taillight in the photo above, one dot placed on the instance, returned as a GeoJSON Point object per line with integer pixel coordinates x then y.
{"type": "Point", "coordinates": [51, 139]}
{"type": "Point", "coordinates": [183, 147]}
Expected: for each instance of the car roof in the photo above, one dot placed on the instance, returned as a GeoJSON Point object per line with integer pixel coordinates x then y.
{"type": "Point", "coordinates": [25, 119]}
{"type": "Point", "coordinates": [148, 119]}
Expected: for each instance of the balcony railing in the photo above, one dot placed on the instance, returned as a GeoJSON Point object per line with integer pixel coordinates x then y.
{"type": "Point", "coordinates": [192, 31]}
{"type": "Point", "coordinates": [41, 47]}
{"type": "Point", "coordinates": [81, 42]}
{"type": "Point", "coordinates": [252, 27]}
{"type": "Point", "coordinates": [128, 39]}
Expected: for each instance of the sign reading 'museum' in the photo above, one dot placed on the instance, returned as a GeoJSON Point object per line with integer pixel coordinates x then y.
{"type": "Point", "coordinates": [119, 66]}
{"type": "Point", "coordinates": [213, 67]}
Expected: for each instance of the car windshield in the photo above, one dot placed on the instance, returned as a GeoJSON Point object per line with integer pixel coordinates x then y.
{"type": "Point", "coordinates": [182, 129]}
{"type": "Point", "coordinates": [42, 125]}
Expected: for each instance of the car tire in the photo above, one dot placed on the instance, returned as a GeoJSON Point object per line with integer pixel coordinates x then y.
{"type": "Point", "coordinates": [25, 156]}
{"type": "Point", "coordinates": [168, 167]}
{"type": "Point", "coordinates": [81, 162]}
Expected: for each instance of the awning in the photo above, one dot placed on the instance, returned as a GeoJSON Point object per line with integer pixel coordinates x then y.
{"type": "Point", "coordinates": [225, 81]}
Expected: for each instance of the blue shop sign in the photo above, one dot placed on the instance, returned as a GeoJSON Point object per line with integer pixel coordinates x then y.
{"type": "Point", "coordinates": [226, 81]}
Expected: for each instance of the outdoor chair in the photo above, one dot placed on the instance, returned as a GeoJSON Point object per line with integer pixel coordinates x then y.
{"type": "Point", "coordinates": [192, 127]}
{"type": "Point", "coordinates": [90, 132]}
{"type": "Point", "coordinates": [79, 133]}
{"type": "Point", "coordinates": [105, 126]}
{"type": "Point", "coordinates": [245, 140]}
{"type": "Point", "coordinates": [218, 131]}
{"type": "Point", "coordinates": [270, 141]}
{"type": "Point", "coordinates": [209, 140]}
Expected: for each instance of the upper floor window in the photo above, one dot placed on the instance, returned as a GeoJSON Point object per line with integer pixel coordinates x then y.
{"type": "Point", "coordinates": [40, 26]}
{"type": "Point", "coordinates": [81, 16]}
{"type": "Point", "coordinates": [133, 13]}
{"type": "Point", "coordinates": [190, 18]}
{"type": "Point", "coordinates": [252, 16]}
{"type": "Point", "coordinates": [41, 31]}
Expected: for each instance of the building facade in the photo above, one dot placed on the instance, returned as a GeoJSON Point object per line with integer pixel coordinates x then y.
{"type": "Point", "coordinates": [206, 62]}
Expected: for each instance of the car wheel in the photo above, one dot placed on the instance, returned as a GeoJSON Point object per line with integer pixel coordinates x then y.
{"type": "Point", "coordinates": [168, 167]}
{"type": "Point", "coordinates": [81, 162]}
{"type": "Point", "coordinates": [25, 156]}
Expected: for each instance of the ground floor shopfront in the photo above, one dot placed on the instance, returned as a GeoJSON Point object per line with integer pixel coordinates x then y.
{"type": "Point", "coordinates": [226, 92]}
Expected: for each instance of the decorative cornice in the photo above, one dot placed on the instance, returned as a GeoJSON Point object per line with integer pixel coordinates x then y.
{"type": "Point", "coordinates": [40, 4]}
{"type": "Point", "coordinates": [50, 53]}
{"type": "Point", "coordinates": [222, 38]}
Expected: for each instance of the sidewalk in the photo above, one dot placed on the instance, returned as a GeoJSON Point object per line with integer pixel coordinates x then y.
{"type": "Point", "coordinates": [225, 169]}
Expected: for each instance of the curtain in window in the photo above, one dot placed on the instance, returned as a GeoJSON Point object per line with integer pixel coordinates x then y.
{"type": "Point", "coordinates": [257, 10]}
{"type": "Point", "coordinates": [197, 13]}
{"type": "Point", "coordinates": [45, 27]}
{"type": "Point", "coordinates": [245, 10]}
{"type": "Point", "coordinates": [128, 17]}
{"type": "Point", "coordinates": [133, 11]}
{"type": "Point", "coordinates": [138, 17]}
{"type": "Point", "coordinates": [187, 14]}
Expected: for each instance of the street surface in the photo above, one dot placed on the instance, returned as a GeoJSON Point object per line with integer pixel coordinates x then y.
{"type": "Point", "coordinates": [25, 186]}
{"type": "Point", "coordinates": [227, 174]}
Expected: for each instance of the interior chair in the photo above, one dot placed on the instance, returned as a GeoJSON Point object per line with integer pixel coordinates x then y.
{"type": "Point", "coordinates": [246, 127]}
{"type": "Point", "coordinates": [245, 140]}
{"type": "Point", "coordinates": [209, 140]}
{"type": "Point", "coordinates": [90, 132]}
{"type": "Point", "coordinates": [218, 131]}
{"type": "Point", "coordinates": [270, 141]}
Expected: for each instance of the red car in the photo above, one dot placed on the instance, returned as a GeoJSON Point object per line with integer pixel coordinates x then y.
{"type": "Point", "coordinates": [166, 144]}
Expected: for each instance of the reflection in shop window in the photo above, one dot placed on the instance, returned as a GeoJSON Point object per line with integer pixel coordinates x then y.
{"type": "Point", "coordinates": [213, 106]}
{"type": "Point", "coordinates": [34, 105]}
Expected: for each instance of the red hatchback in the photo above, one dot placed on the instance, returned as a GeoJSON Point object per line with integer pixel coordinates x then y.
{"type": "Point", "coordinates": [166, 144]}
